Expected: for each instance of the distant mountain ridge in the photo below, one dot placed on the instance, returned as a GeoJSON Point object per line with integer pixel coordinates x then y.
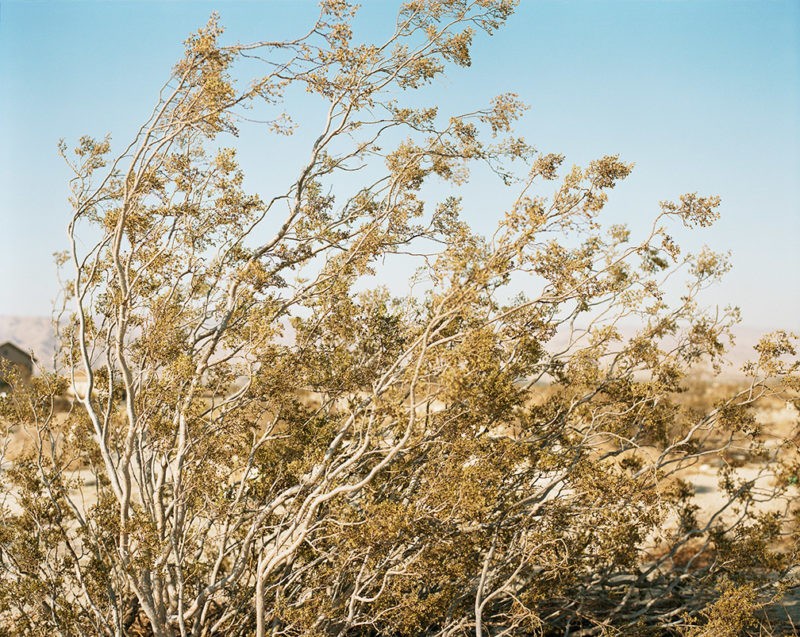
{"type": "Point", "coordinates": [35, 333]}
{"type": "Point", "coordinates": [30, 333]}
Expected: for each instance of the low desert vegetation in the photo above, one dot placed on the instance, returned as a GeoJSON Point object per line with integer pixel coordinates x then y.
{"type": "Point", "coordinates": [267, 442]}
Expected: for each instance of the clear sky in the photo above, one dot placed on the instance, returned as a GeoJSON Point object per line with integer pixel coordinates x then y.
{"type": "Point", "coordinates": [702, 95]}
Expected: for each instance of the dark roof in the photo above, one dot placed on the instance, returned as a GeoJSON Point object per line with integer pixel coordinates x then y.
{"type": "Point", "coordinates": [19, 349]}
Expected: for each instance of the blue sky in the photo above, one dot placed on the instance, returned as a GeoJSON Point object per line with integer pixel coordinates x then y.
{"type": "Point", "coordinates": [702, 95]}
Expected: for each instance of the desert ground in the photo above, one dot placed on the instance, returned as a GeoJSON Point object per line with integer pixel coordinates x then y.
{"type": "Point", "coordinates": [743, 462]}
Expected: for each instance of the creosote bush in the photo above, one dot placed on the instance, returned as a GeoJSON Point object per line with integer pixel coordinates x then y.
{"type": "Point", "coordinates": [261, 441]}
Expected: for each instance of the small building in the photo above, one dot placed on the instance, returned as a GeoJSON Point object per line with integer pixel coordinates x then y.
{"type": "Point", "coordinates": [12, 357]}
